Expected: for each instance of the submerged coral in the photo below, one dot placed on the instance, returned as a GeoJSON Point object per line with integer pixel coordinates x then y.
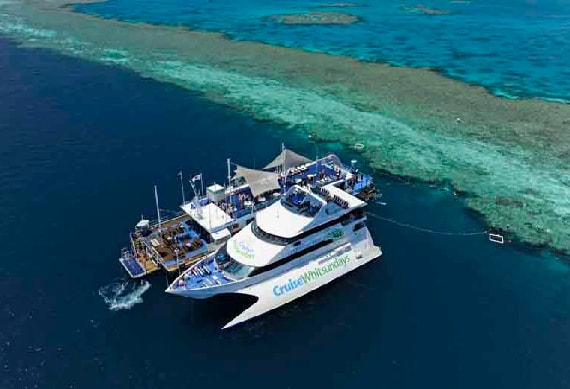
{"type": "Point", "coordinates": [426, 10]}
{"type": "Point", "coordinates": [510, 158]}
{"type": "Point", "coordinates": [315, 18]}
{"type": "Point", "coordinates": [339, 5]}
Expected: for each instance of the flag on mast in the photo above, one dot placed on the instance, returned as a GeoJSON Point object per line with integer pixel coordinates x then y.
{"type": "Point", "coordinates": [196, 199]}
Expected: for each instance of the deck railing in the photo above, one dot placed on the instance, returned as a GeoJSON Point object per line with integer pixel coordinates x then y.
{"type": "Point", "coordinates": [155, 256]}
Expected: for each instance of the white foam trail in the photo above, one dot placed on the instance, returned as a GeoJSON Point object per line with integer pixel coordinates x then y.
{"type": "Point", "coordinates": [123, 295]}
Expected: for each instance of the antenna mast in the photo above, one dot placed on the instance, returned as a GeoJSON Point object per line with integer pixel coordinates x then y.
{"type": "Point", "coordinates": [158, 211]}
{"type": "Point", "coordinates": [229, 172]}
{"type": "Point", "coordinates": [182, 187]}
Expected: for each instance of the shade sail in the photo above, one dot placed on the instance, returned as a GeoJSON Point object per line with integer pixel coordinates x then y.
{"type": "Point", "coordinates": [287, 159]}
{"type": "Point", "coordinates": [259, 181]}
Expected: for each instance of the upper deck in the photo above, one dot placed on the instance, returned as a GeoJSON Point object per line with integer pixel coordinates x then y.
{"type": "Point", "coordinates": [303, 208]}
{"type": "Point", "coordinates": [302, 213]}
{"type": "Point", "coordinates": [253, 190]}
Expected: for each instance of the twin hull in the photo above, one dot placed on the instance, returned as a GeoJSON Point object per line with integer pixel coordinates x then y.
{"type": "Point", "coordinates": [279, 289]}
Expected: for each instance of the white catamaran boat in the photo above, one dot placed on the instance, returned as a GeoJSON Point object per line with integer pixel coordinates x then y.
{"type": "Point", "coordinates": [314, 234]}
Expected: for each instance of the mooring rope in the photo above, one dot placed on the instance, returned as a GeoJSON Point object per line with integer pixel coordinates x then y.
{"type": "Point", "coordinates": [427, 230]}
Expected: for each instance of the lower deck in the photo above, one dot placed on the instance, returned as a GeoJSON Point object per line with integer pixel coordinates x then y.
{"type": "Point", "coordinates": [173, 246]}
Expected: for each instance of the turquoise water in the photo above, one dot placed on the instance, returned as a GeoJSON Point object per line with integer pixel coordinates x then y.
{"type": "Point", "coordinates": [514, 48]}
{"type": "Point", "coordinates": [83, 144]}
{"type": "Point", "coordinates": [396, 139]}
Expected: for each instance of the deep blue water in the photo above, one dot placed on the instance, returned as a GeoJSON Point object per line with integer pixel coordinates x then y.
{"type": "Point", "coordinates": [516, 48]}
{"type": "Point", "coordinates": [83, 144]}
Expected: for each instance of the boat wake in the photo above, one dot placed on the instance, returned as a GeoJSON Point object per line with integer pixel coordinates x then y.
{"type": "Point", "coordinates": [123, 294]}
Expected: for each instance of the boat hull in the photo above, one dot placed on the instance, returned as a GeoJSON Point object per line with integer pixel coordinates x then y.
{"type": "Point", "coordinates": [298, 282]}
{"type": "Point", "coordinates": [285, 286]}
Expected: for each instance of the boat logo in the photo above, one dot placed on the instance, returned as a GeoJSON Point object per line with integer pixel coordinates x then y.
{"type": "Point", "coordinates": [310, 276]}
{"type": "Point", "coordinates": [243, 249]}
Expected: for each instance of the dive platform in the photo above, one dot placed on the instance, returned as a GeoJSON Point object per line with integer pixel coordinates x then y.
{"type": "Point", "coordinates": [171, 246]}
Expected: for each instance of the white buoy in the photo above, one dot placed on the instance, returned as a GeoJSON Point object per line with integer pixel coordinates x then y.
{"type": "Point", "coordinates": [359, 146]}
{"type": "Point", "coordinates": [496, 238]}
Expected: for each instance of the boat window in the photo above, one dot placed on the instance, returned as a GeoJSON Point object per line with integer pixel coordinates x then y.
{"type": "Point", "coordinates": [267, 237]}
{"type": "Point", "coordinates": [231, 266]}
{"type": "Point", "coordinates": [358, 226]}
{"type": "Point", "coordinates": [263, 269]}
{"type": "Point", "coordinates": [344, 220]}
{"type": "Point", "coordinates": [237, 270]}
{"type": "Point", "coordinates": [222, 256]}
{"type": "Point", "coordinates": [352, 216]}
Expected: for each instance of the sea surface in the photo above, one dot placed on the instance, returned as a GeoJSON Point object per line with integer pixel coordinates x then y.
{"type": "Point", "coordinates": [514, 48]}
{"type": "Point", "coordinates": [82, 146]}
{"type": "Point", "coordinates": [509, 157]}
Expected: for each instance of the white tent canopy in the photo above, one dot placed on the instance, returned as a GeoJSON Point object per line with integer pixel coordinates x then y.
{"type": "Point", "coordinates": [259, 182]}
{"type": "Point", "coordinates": [286, 160]}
